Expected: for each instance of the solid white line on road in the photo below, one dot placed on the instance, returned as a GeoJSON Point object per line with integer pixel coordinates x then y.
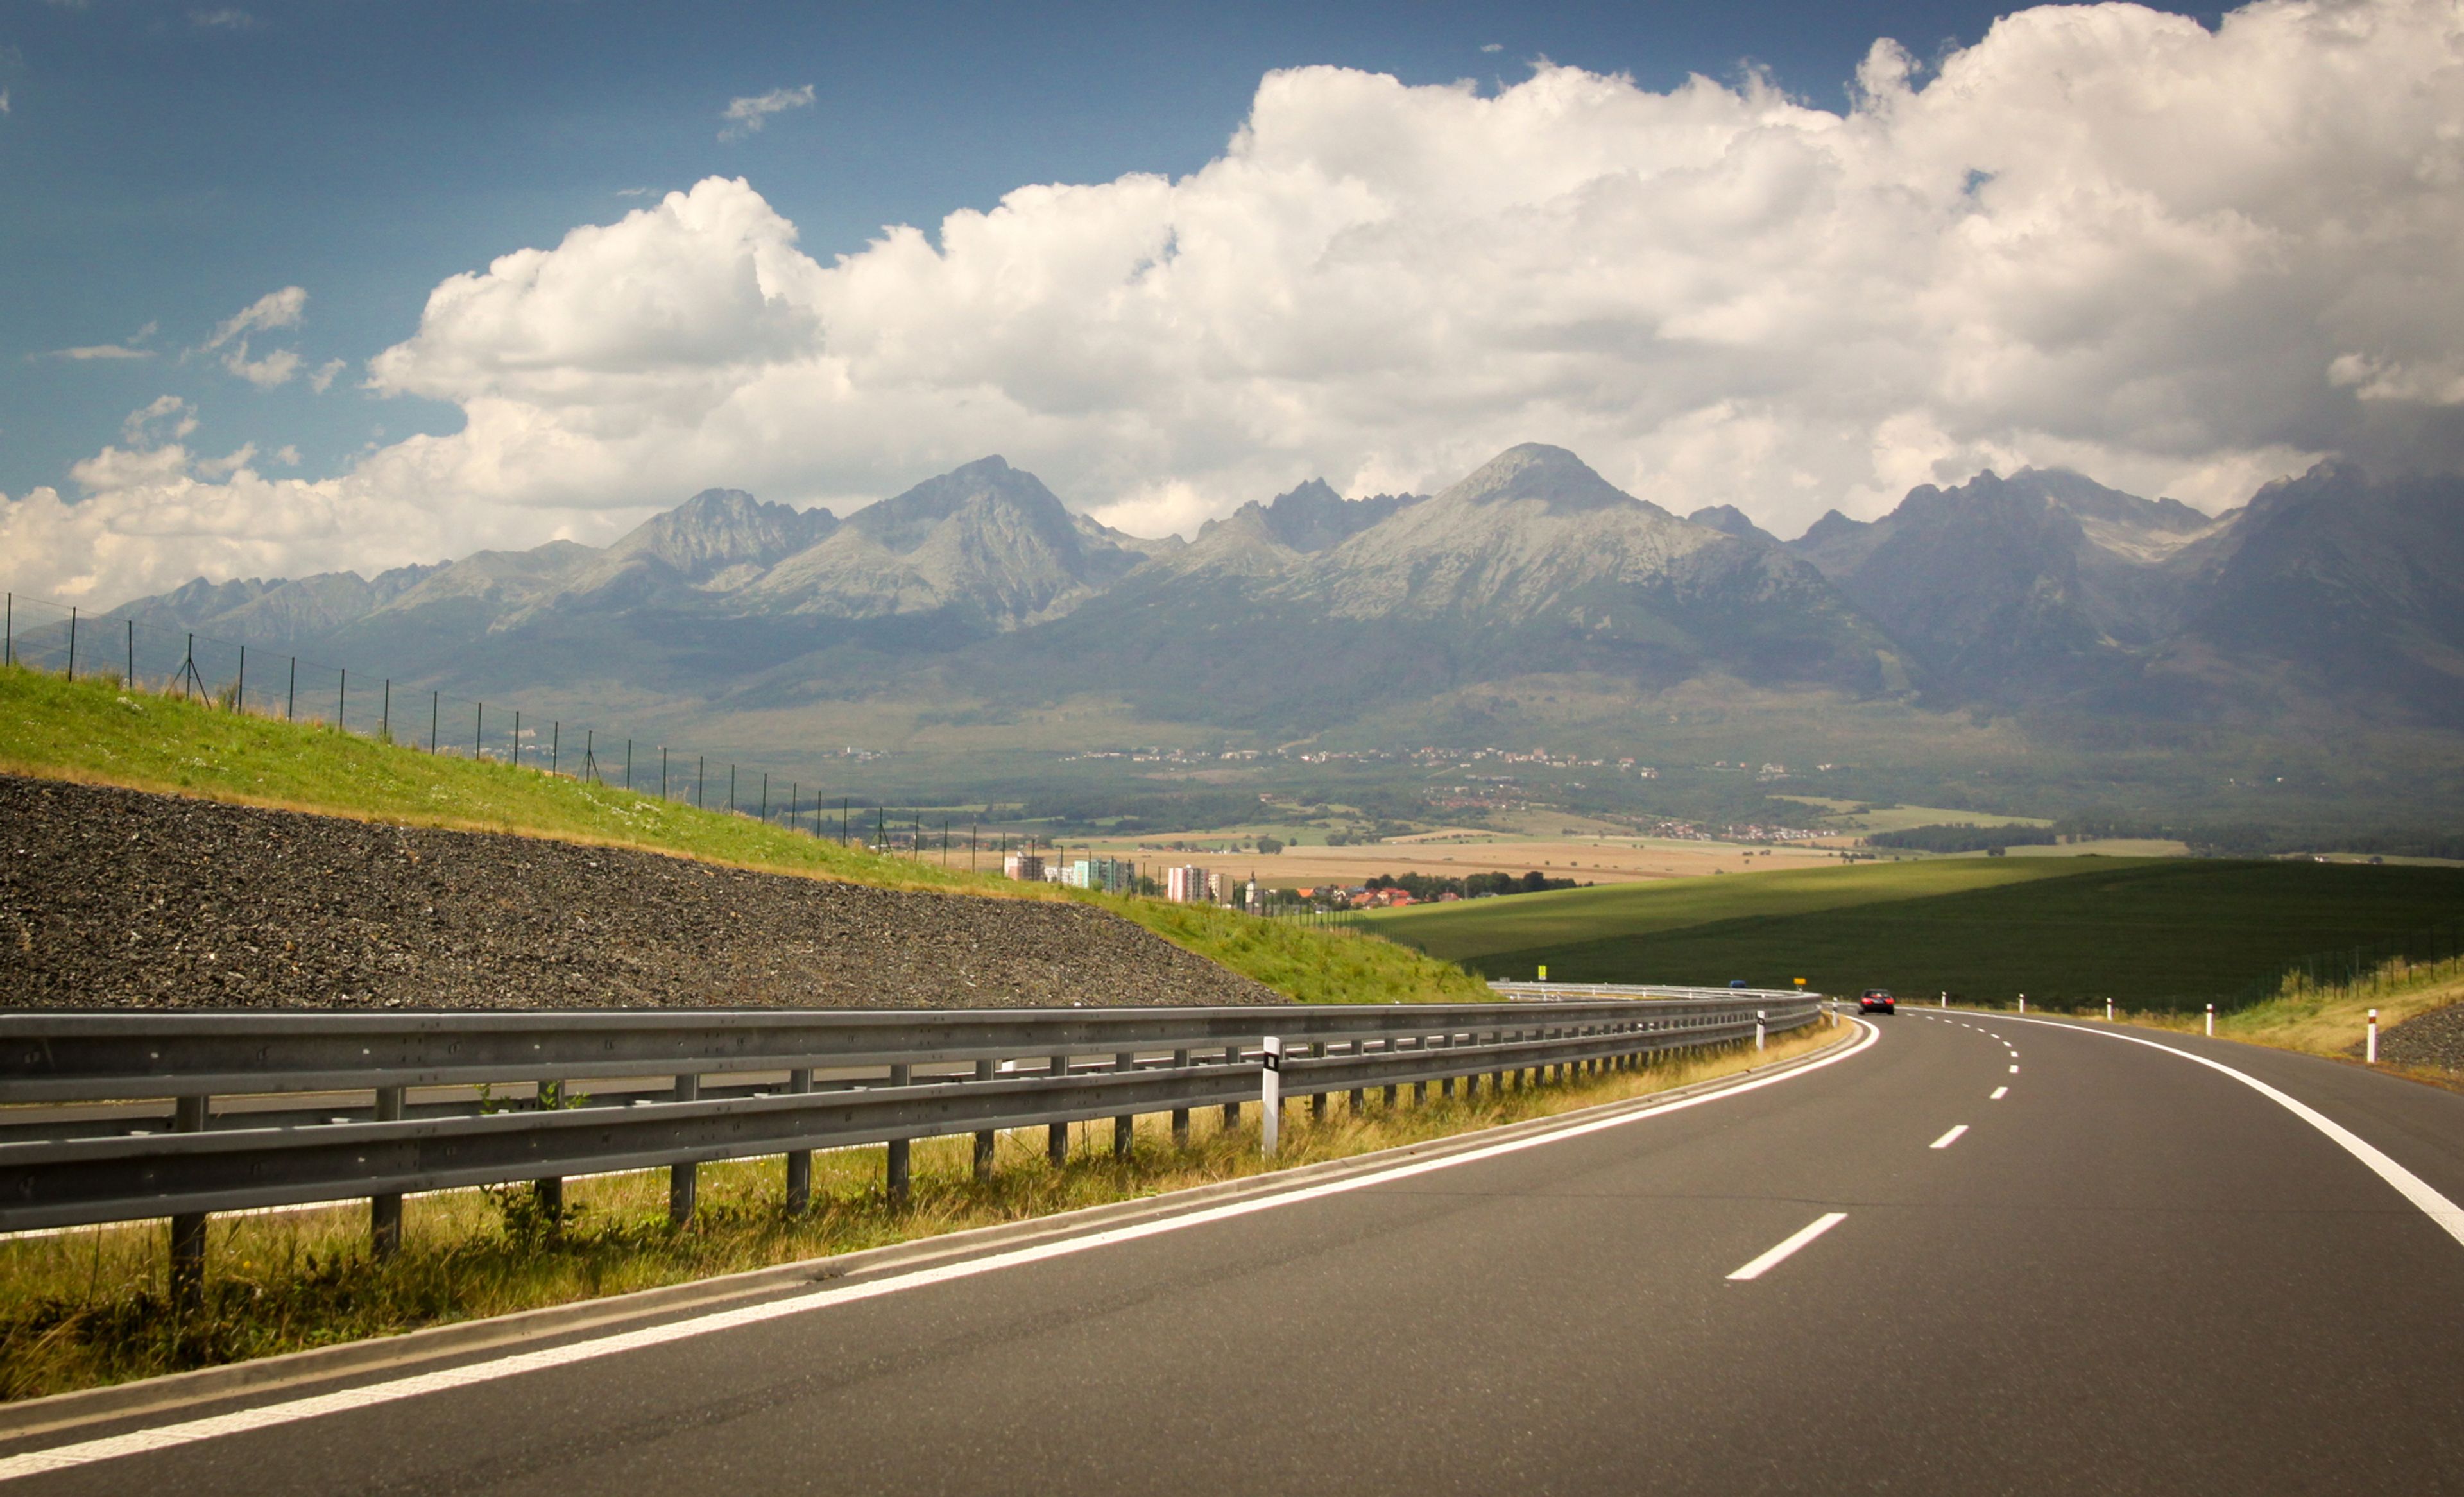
{"type": "Point", "coordinates": [1949, 1139]}
{"type": "Point", "coordinates": [1999, 1093]}
{"type": "Point", "coordinates": [138, 1442]}
{"type": "Point", "coordinates": [2448, 1216]}
{"type": "Point", "coordinates": [1780, 1254]}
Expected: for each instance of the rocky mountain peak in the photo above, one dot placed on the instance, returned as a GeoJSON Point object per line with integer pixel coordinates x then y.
{"type": "Point", "coordinates": [1729, 520]}
{"type": "Point", "coordinates": [716, 529]}
{"type": "Point", "coordinates": [1536, 471]}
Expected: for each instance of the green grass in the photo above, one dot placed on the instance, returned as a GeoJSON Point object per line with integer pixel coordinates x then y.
{"type": "Point", "coordinates": [92, 731]}
{"type": "Point", "coordinates": [2152, 934]}
{"type": "Point", "coordinates": [1482, 928]}
{"type": "Point", "coordinates": [91, 1307]}
{"type": "Point", "coordinates": [1314, 964]}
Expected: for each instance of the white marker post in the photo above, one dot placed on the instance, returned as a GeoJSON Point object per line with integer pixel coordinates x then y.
{"type": "Point", "coordinates": [1270, 1093]}
{"type": "Point", "coordinates": [2023, 1002]}
{"type": "Point", "coordinates": [1758, 1028]}
{"type": "Point", "coordinates": [2212, 1021]}
{"type": "Point", "coordinates": [1946, 1001]}
{"type": "Point", "coordinates": [2374, 1036]}
{"type": "Point", "coordinates": [2108, 1010]}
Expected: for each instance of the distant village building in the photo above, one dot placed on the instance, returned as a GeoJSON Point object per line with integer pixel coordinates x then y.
{"type": "Point", "coordinates": [1111, 875]}
{"type": "Point", "coordinates": [1027, 867]}
{"type": "Point", "coordinates": [1192, 886]}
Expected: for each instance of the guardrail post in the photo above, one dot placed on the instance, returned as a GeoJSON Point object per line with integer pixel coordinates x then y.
{"type": "Point", "coordinates": [1318, 1099]}
{"type": "Point", "coordinates": [895, 1177]}
{"type": "Point", "coordinates": [684, 1179]}
{"type": "Point", "coordinates": [384, 1212]}
{"type": "Point", "coordinates": [1231, 1109]}
{"type": "Point", "coordinates": [188, 1115]}
{"type": "Point", "coordinates": [1125, 1125]}
{"type": "Point", "coordinates": [986, 1070]}
{"type": "Point", "coordinates": [1056, 1138]}
{"type": "Point", "coordinates": [799, 1162]}
{"type": "Point", "coordinates": [1180, 1114]}
{"type": "Point", "coordinates": [550, 1192]}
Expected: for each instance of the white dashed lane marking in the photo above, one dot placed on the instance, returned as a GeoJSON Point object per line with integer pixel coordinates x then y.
{"type": "Point", "coordinates": [1780, 1254]}
{"type": "Point", "coordinates": [1999, 1093]}
{"type": "Point", "coordinates": [1949, 1139]}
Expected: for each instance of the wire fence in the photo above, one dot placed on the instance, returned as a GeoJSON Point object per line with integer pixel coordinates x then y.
{"type": "Point", "coordinates": [41, 635]}
{"type": "Point", "coordinates": [2371, 969]}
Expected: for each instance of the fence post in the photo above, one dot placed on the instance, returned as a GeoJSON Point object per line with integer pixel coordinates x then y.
{"type": "Point", "coordinates": [131, 683]}
{"type": "Point", "coordinates": [895, 1174]}
{"type": "Point", "coordinates": [240, 687]}
{"type": "Point", "coordinates": [8, 631]}
{"type": "Point", "coordinates": [188, 1115]}
{"type": "Point", "coordinates": [1056, 1138]}
{"type": "Point", "coordinates": [683, 1179]}
{"type": "Point", "coordinates": [1124, 1126]}
{"type": "Point", "coordinates": [291, 697]}
{"type": "Point", "coordinates": [342, 700]}
{"type": "Point", "coordinates": [518, 737]}
{"type": "Point", "coordinates": [478, 731]}
{"type": "Point", "coordinates": [799, 1162]}
{"type": "Point", "coordinates": [987, 1138]}
{"type": "Point", "coordinates": [73, 617]}
{"type": "Point", "coordinates": [385, 715]}
{"type": "Point", "coordinates": [1231, 1109]}
{"type": "Point", "coordinates": [434, 701]}
{"type": "Point", "coordinates": [384, 1212]}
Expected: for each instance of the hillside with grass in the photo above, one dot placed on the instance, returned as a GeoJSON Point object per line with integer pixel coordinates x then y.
{"type": "Point", "coordinates": [2154, 933]}
{"type": "Point", "coordinates": [96, 733]}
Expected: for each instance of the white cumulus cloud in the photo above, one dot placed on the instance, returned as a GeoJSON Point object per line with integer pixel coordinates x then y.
{"type": "Point", "coordinates": [2184, 260]}
{"type": "Point", "coordinates": [745, 115]}
{"type": "Point", "coordinates": [275, 310]}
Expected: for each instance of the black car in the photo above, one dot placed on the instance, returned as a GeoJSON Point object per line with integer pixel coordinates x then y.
{"type": "Point", "coordinates": [1877, 1001]}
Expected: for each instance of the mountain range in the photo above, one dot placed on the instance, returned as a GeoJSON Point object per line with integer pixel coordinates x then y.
{"type": "Point", "coordinates": [2332, 593]}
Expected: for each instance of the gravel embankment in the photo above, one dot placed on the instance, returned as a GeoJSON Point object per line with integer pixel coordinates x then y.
{"type": "Point", "coordinates": [121, 899]}
{"type": "Point", "coordinates": [2435, 1038]}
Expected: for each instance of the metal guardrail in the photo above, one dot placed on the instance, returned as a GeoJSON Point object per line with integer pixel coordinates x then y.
{"type": "Point", "coordinates": [278, 1109]}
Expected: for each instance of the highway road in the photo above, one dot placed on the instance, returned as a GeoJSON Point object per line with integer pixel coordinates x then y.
{"type": "Point", "coordinates": [2048, 1259]}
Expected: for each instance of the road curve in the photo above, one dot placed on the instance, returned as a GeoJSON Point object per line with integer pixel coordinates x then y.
{"type": "Point", "coordinates": [2126, 1272]}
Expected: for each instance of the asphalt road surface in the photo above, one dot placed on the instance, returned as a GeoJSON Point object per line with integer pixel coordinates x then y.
{"type": "Point", "coordinates": [2090, 1265]}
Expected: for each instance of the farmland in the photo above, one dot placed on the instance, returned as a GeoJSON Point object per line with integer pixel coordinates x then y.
{"type": "Point", "coordinates": [2149, 933]}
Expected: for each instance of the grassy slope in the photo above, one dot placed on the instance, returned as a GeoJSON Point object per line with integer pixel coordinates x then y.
{"type": "Point", "coordinates": [93, 732]}
{"type": "Point", "coordinates": [1527, 922]}
{"type": "Point", "coordinates": [2151, 934]}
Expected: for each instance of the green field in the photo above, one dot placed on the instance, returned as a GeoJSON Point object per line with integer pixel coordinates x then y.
{"type": "Point", "coordinates": [92, 731]}
{"type": "Point", "coordinates": [2148, 933]}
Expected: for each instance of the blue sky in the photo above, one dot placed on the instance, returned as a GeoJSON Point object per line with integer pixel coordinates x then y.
{"type": "Point", "coordinates": [169, 163]}
{"type": "Point", "coordinates": [362, 283]}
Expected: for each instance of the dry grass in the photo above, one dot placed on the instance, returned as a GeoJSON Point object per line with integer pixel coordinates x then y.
{"type": "Point", "coordinates": [89, 1307]}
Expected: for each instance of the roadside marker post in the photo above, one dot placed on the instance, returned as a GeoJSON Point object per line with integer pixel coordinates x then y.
{"type": "Point", "coordinates": [2212, 1021]}
{"type": "Point", "coordinates": [2108, 1010]}
{"type": "Point", "coordinates": [1544, 972]}
{"type": "Point", "coordinates": [1759, 1030]}
{"type": "Point", "coordinates": [1270, 1093]}
{"type": "Point", "coordinates": [2374, 1036]}
{"type": "Point", "coordinates": [1946, 1001]}
{"type": "Point", "coordinates": [2023, 1002]}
